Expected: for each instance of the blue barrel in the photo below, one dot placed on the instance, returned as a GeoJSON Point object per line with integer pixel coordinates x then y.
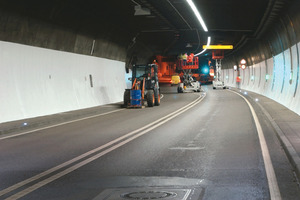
{"type": "Point", "coordinates": [136, 98]}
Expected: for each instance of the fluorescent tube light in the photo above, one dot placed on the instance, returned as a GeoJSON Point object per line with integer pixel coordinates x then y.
{"type": "Point", "coordinates": [191, 3]}
{"type": "Point", "coordinates": [139, 10]}
{"type": "Point", "coordinates": [208, 44]}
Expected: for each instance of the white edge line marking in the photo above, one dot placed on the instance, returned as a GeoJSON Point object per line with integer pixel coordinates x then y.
{"type": "Point", "coordinates": [60, 124]}
{"type": "Point", "coordinates": [272, 181]}
{"type": "Point", "coordinates": [47, 127]}
{"type": "Point", "coordinates": [38, 176]}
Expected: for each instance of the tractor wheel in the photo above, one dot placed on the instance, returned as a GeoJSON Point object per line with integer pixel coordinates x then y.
{"type": "Point", "coordinates": [157, 97]}
{"type": "Point", "coordinates": [126, 98]}
{"type": "Point", "coordinates": [150, 98]}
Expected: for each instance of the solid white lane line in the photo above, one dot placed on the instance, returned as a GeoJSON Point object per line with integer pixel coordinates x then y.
{"type": "Point", "coordinates": [271, 176]}
{"type": "Point", "coordinates": [34, 178]}
{"type": "Point", "coordinates": [187, 194]}
{"type": "Point", "coordinates": [82, 163]}
{"type": "Point", "coordinates": [64, 123]}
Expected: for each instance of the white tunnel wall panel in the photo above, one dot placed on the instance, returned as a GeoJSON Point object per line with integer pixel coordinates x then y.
{"type": "Point", "coordinates": [285, 91]}
{"type": "Point", "coordinates": [243, 75]}
{"type": "Point", "coordinates": [229, 77]}
{"type": "Point", "coordinates": [246, 79]}
{"type": "Point", "coordinates": [226, 76]}
{"type": "Point", "coordinates": [295, 101]}
{"type": "Point", "coordinates": [264, 80]}
{"type": "Point", "coordinates": [269, 78]}
{"type": "Point", "coordinates": [277, 76]}
{"type": "Point", "coordinates": [262, 75]}
{"type": "Point", "coordinates": [273, 78]}
{"type": "Point", "coordinates": [38, 82]}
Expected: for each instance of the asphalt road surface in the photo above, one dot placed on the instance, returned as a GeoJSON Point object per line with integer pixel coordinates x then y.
{"type": "Point", "coordinates": [193, 146]}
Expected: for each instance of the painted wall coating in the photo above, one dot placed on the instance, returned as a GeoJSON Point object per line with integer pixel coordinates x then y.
{"type": "Point", "coordinates": [276, 78]}
{"type": "Point", "coordinates": [37, 81]}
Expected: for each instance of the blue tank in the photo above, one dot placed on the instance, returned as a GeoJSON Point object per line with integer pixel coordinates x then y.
{"type": "Point", "coordinates": [136, 98]}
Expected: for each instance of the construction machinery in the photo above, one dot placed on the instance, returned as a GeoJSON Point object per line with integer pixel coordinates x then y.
{"type": "Point", "coordinates": [189, 84]}
{"type": "Point", "coordinates": [145, 87]}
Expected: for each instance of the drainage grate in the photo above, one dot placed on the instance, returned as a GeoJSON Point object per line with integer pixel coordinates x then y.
{"type": "Point", "coordinates": [148, 195]}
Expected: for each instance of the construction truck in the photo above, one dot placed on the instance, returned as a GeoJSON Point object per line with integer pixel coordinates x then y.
{"type": "Point", "coordinates": [145, 87]}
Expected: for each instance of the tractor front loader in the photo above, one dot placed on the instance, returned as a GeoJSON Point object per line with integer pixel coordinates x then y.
{"type": "Point", "coordinates": [145, 87]}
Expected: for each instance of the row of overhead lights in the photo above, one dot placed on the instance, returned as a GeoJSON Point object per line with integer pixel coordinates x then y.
{"type": "Point", "coordinates": [242, 64]}
{"type": "Point", "coordinates": [200, 19]}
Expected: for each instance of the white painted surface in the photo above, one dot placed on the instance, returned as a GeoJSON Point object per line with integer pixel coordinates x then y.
{"type": "Point", "coordinates": [37, 81]}
{"type": "Point", "coordinates": [281, 84]}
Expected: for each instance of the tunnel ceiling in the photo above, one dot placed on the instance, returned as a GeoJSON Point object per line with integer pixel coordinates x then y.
{"type": "Point", "coordinates": [169, 29]}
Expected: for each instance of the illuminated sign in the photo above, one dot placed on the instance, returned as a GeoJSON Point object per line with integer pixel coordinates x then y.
{"type": "Point", "coordinates": [243, 66]}
{"type": "Point", "coordinates": [218, 47]}
{"type": "Point", "coordinates": [243, 62]}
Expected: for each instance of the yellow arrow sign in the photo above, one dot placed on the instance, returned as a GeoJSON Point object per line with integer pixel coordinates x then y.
{"type": "Point", "coordinates": [218, 47]}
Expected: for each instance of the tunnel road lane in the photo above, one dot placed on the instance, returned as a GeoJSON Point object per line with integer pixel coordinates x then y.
{"type": "Point", "coordinates": [110, 147]}
{"type": "Point", "coordinates": [207, 150]}
{"type": "Point", "coordinates": [272, 181]}
{"type": "Point", "coordinates": [60, 124]}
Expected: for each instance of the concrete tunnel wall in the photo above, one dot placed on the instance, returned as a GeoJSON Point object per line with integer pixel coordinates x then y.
{"type": "Point", "coordinates": [276, 78]}
{"type": "Point", "coordinates": [37, 81]}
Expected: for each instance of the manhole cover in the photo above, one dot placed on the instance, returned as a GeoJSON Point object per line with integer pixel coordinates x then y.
{"type": "Point", "coordinates": [148, 195]}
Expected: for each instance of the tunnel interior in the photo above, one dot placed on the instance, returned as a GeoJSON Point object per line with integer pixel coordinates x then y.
{"type": "Point", "coordinates": [116, 30]}
{"type": "Point", "coordinates": [135, 32]}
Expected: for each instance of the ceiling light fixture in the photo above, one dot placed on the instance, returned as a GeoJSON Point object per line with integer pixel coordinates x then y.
{"type": "Point", "coordinates": [208, 44]}
{"type": "Point", "coordinates": [192, 5]}
{"type": "Point", "coordinates": [139, 10]}
{"type": "Point", "coordinates": [188, 45]}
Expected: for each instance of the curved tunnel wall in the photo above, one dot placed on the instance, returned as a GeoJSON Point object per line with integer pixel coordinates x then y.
{"type": "Point", "coordinates": [276, 78]}
{"type": "Point", "coordinates": [273, 61]}
{"type": "Point", "coordinates": [37, 81]}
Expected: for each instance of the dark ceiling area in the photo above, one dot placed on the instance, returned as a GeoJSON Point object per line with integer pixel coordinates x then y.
{"type": "Point", "coordinates": [166, 27]}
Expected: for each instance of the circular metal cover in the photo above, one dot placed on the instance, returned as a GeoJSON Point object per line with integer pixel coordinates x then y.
{"type": "Point", "coordinates": [148, 195]}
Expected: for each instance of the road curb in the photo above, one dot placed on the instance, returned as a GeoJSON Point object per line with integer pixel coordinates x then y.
{"type": "Point", "coordinates": [291, 153]}
{"type": "Point", "coordinates": [287, 146]}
